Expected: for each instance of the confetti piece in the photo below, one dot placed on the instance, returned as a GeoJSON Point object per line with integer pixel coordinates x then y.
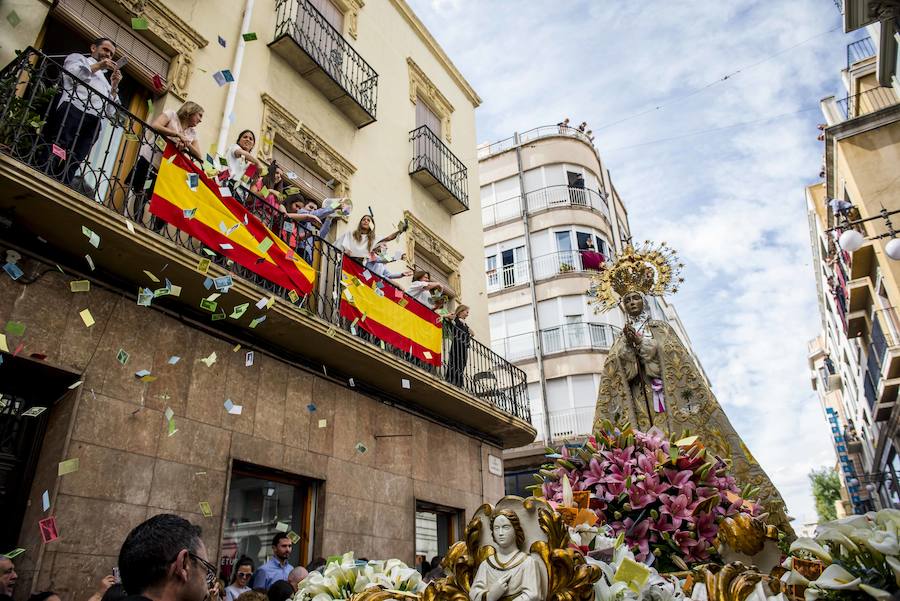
{"type": "Point", "coordinates": [173, 360]}
{"type": "Point", "coordinates": [205, 509]}
{"type": "Point", "coordinates": [139, 23]}
{"type": "Point", "coordinates": [157, 82]}
{"type": "Point", "coordinates": [92, 237]}
{"type": "Point", "coordinates": [233, 409]}
{"type": "Point", "coordinates": [226, 246]}
{"type": "Point", "coordinates": [265, 244]}
{"type": "Point", "coordinates": [248, 360]}
{"type": "Point", "coordinates": [170, 428]}
{"type": "Point", "coordinates": [34, 412]}
{"type": "Point", "coordinates": [239, 310]}
{"type": "Point", "coordinates": [189, 213]}
{"type": "Point", "coordinates": [213, 296]}
{"type": "Point", "coordinates": [249, 37]}
{"type": "Point", "coordinates": [67, 467]}
{"type": "Point", "coordinates": [404, 383]}
{"type": "Point", "coordinates": [141, 373]}
{"type": "Point", "coordinates": [14, 553]}
{"type": "Point", "coordinates": [87, 318]}
{"type": "Point", "coordinates": [311, 407]}
{"type": "Point", "coordinates": [193, 180]}
{"type": "Point", "coordinates": [129, 226]}
{"type": "Point", "coordinates": [426, 354]}
{"type": "Point", "coordinates": [13, 270]}
{"type": "Point", "coordinates": [49, 531]}
{"type": "Point", "coordinates": [222, 42]}
{"type": "Point", "coordinates": [152, 277]}
{"type": "Point", "coordinates": [236, 348]}
{"type": "Point", "coordinates": [145, 297]}
{"type": "Point", "coordinates": [686, 442]}
{"type": "Point", "coordinates": [257, 321]}
{"type": "Point", "coordinates": [282, 527]}
{"type": "Point", "coordinates": [293, 536]}
{"type": "Point", "coordinates": [45, 500]}
{"type": "Point", "coordinates": [352, 383]}
{"type": "Point", "coordinates": [361, 448]}
{"type": "Point", "coordinates": [323, 423]}
{"type": "Point", "coordinates": [169, 414]}
{"type": "Point", "coordinates": [223, 283]}
{"type": "Point", "coordinates": [80, 286]}
{"type": "Point", "coordinates": [122, 357]}
{"type": "Point", "coordinates": [15, 328]}
{"type": "Point", "coordinates": [75, 385]}
{"type": "Point", "coordinates": [218, 316]}
{"type": "Point", "coordinates": [90, 262]}
{"type": "Point", "coordinates": [208, 361]}
{"type": "Point", "coordinates": [14, 20]}
{"type": "Point", "coordinates": [270, 302]}
{"type": "Point", "coordinates": [293, 296]}
{"type": "Point", "coordinates": [59, 152]}
{"type": "Point", "coordinates": [222, 77]}
{"type": "Point", "coordinates": [203, 265]}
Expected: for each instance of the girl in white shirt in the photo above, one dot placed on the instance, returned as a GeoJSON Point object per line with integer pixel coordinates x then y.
{"type": "Point", "coordinates": [239, 155]}
{"type": "Point", "coordinates": [360, 242]}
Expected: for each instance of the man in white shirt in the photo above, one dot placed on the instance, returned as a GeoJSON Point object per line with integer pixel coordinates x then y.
{"type": "Point", "coordinates": [78, 113]}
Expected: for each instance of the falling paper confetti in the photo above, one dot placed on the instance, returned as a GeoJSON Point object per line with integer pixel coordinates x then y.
{"type": "Point", "coordinates": [404, 383]}
{"type": "Point", "coordinates": [222, 42]}
{"type": "Point", "coordinates": [233, 409]}
{"type": "Point", "coordinates": [203, 265]}
{"type": "Point", "coordinates": [205, 509]}
{"type": "Point", "coordinates": [323, 423]}
{"type": "Point", "coordinates": [248, 360]}
{"type": "Point", "coordinates": [67, 467]}
{"type": "Point", "coordinates": [34, 412]}
{"type": "Point", "coordinates": [45, 500]}
{"type": "Point", "coordinates": [80, 286]}
{"type": "Point", "coordinates": [13, 270]}
{"type": "Point", "coordinates": [152, 277]}
{"type": "Point", "coordinates": [49, 531]}
{"type": "Point", "coordinates": [90, 262]}
{"type": "Point", "coordinates": [311, 407]}
{"type": "Point", "coordinates": [361, 448]}
{"type": "Point", "coordinates": [352, 383]}
{"type": "Point", "coordinates": [282, 527]}
{"type": "Point", "coordinates": [92, 237]}
{"type": "Point", "coordinates": [265, 244]}
{"type": "Point", "coordinates": [293, 536]}
{"type": "Point", "coordinates": [122, 357]}
{"type": "Point", "coordinates": [87, 318]}
{"type": "Point", "coordinates": [239, 310]}
{"type": "Point", "coordinates": [257, 321]}
{"type": "Point", "coordinates": [75, 385]}
{"type": "Point", "coordinates": [249, 37]}
{"type": "Point", "coordinates": [14, 20]}
{"type": "Point", "coordinates": [14, 553]}
{"type": "Point", "coordinates": [15, 328]}
{"type": "Point", "coordinates": [208, 361]}
{"type": "Point", "coordinates": [138, 23]}
{"type": "Point", "coordinates": [173, 360]}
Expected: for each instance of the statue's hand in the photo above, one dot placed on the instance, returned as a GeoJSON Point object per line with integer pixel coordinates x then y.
{"type": "Point", "coordinates": [498, 589]}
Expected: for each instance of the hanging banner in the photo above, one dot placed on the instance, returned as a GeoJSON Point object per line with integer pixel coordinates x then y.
{"type": "Point", "coordinates": [382, 309]}
{"type": "Point", "coordinates": [186, 198]}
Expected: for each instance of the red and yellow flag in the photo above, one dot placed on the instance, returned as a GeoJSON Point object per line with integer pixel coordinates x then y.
{"type": "Point", "coordinates": [389, 315]}
{"type": "Point", "coordinates": [223, 224]}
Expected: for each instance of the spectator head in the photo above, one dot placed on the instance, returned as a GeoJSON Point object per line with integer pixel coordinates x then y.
{"type": "Point", "coordinates": [280, 591]}
{"type": "Point", "coordinates": [566, 121]}
{"type": "Point", "coordinates": [243, 571]}
{"type": "Point", "coordinates": [165, 555]}
{"type": "Point", "coordinates": [45, 596]}
{"type": "Point", "coordinates": [246, 140]}
{"type": "Point", "coordinates": [252, 596]}
{"type": "Point", "coordinates": [315, 564]}
{"type": "Point", "coordinates": [8, 576]}
{"type": "Point", "coordinates": [274, 179]}
{"type": "Point", "coordinates": [114, 593]}
{"type": "Point", "coordinates": [365, 227]}
{"type": "Point", "coordinates": [294, 202]}
{"type": "Point", "coordinates": [102, 48]}
{"type": "Point", "coordinates": [281, 546]}
{"type": "Point", "coordinates": [436, 561]}
{"type": "Point", "coordinates": [462, 312]}
{"type": "Point", "coordinates": [311, 205]}
{"type": "Point", "coordinates": [190, 114]}
{"type": "Point", "coordinates": [296, 576]}
{"type": "Point", "coordinates": [420, 275]}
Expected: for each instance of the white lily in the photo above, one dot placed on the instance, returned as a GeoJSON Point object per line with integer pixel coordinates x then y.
{"type": "Point", "coordinates": [886, 516]}
{"type": "Point", "coordinates": [877, 593]}
{"type": "Point", "coordinates": [788, 564]}
{"type": "Point", "coordinates": [794, 577]}
{"type": "Point", "coordinates": [895, 566]}
{"type": "Point", "coordinates": [809, 545]}
{"type": "Point", "coordinates": [615, 592]}
{"type": "Point", "coordinates": [832, 535]}
{"type": "Point", "coordinates": [836, 577]}
{"type": "Point", "coordinates": [884, 542]}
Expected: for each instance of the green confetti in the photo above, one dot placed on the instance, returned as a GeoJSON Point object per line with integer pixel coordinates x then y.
{"type": "Point", "coordinates": [14, 20]}
{"type": "Point", "coordinates": [139, 23]}
{"type": "Point", "coordinates": [249, 37]}
{"type": "Point", "coordinates": [122, 357]}
{"type": "Point", "coordinates": [265, 244]}
{"type": "Point", "coordinates": [15, 328]}
{"type": "Point", "coordinates": [208, 305]}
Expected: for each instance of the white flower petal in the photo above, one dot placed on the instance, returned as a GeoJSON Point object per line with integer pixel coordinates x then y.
{"type": "Point", "coordinates": [807, 544]}
{"type": "Point", "coordinates": [879, 594]}
{"type": "Point", "coordinates": [836, 577]}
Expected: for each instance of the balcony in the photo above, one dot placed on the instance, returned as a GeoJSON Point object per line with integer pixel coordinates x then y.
{"type": "Point", "coordinates": [507, 276]}
{"type": "Point", "coordinates": [565, 425]}
{"type": "Point", "coordinates": [318, 51]}
{"type": "Point", "coordinates": [520, 347]}
{"type": "Point", "coordinates": [439, 170]}
{"type": "Point", "coordinates": [573, 262]}
{"type": "Point", "coordinates": [544, 131]}
{"type": "Point", "coordinates": [577, 337]}
{"type": "Point", "coordinates": [860, 294]}
{"type": "Point", "coordinates": [550, 197]}
{"type": "Point", "coordinates": [869, 101]}
{"type": "Point", "coordinates": [886, 399]}
{"type": "Point", "coordinates": [50, 195]}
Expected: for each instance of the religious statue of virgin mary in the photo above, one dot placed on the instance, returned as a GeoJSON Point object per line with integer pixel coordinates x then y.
{"type": "Point", "coordinates": [651, 379]}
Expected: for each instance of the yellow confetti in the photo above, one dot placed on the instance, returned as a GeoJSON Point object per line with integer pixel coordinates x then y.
{"type": "Point", "coordinates": [80, 285]}
{"type": "Point", "coordinates": [205, 509]}
{"type": "Point", "coordinates": [67, 467]}
{"type": "Point", "coordinates": [3, 346]}
{"type": "Point", "coordinates": [87, 318]}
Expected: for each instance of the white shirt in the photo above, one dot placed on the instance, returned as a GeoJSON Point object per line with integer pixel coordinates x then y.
{"type": "Point", "coordinates": [234, 591]}
{"type": "Point", "coordinates": [89, 101]}
{"type": "Point", "coordinates": [236, 165]}
{"type": "Point", "coordinates": [348, 244]}
{"type": "Point", "coordinates": [418, 291]}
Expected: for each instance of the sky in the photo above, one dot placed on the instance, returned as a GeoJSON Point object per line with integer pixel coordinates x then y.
{"type": "Point", "coordinates": [730, 201]}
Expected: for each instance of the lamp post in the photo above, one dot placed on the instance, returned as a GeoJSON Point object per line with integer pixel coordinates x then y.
{"type": "Point", "coordinates": [886, 480]}
{"type": "Point", "coordinates": [851, 239]}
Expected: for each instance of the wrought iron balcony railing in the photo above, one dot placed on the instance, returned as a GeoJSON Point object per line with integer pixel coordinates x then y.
{"type": "Point", "coordinates": [38, 123]}
{"type": "Point", "coordinates": [578, 336]}
{"type": "Point", "coordinates": [312, 46]}
{"type": "Point", "coordinates": [867, 102]}
{"type": "Point", "coordinates": [566, 261]}
{"type": "Point", "coordinates": [549, 197]}
{"type": "Point", "coordinates": [439, 170]}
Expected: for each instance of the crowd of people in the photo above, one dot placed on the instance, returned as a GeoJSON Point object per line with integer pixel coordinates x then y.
{"type": "Point", "coordinates": [164, 559]}
{"type": "Point", "coordinates": [75, 123]}
{"type": "Point", "coordinates": [564, 128]}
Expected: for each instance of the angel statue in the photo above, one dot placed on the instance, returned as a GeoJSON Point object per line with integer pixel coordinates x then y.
{"type": "Point", "coordinates": [510, 574]}
{"type": "Point", "coordinates": [651, 379]}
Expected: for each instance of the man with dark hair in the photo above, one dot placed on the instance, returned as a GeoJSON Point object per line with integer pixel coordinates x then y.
{"type": "Point", "coordinates": [75, 124]}
{"type": "Point", "coordinates": [277, 568]}
{"type": "Point", "coordinates": [281, 590]}
{"type": "Point", "coordinates": [164, 559]}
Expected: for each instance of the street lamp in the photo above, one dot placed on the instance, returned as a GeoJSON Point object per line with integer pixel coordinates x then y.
{"type": "Point", "coordinates": [852, 240]}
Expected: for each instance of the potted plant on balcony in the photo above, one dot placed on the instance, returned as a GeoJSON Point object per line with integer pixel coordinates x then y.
{"type": "Point", "coordinates": [565, 268]}
{"type": "Point", "coordinates": [21, 119]}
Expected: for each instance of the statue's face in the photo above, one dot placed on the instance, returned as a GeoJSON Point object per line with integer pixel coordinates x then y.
{"type": "Point", "coordinates": [504, 533]}
{"type": "Point", "coordinates": [633, 303]}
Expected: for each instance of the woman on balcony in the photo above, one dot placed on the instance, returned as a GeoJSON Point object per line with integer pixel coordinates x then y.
{"type": "Point", "coordinates": [460, 335]}
{"type": "Point", "coordinates": [360, 242]}
{"type": "Point", "coordinates": [239, 156]}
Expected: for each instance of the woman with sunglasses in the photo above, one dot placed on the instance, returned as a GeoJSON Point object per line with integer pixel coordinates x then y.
{"type": "Point", "coordinates": [240, 579]}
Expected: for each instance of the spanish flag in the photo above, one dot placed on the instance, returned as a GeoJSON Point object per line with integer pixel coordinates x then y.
{"type": "Point", "coordinates": [185, 197]}
{"type": "Point", "coordinates": [387, 313]}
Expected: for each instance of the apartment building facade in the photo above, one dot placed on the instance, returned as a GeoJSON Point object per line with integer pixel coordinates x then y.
{"type": "Point", "coordinates": [283, 414]}
{"type": "Point", "coordinates": [854, 360]}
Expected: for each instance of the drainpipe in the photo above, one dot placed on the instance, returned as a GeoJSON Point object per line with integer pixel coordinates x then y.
{"type": "Point", "coordinates": [236, 72]}
{"type": "Point", "coordinates": [531, 288]}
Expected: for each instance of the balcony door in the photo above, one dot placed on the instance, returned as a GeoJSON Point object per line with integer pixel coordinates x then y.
{"type": "Point", "coordinates": [575, 333]}
{"type": "Point", "coordinates": [513, 266]}
{"type": "Point", "coordinates": [565, 256]}
{"type": "Point", "coordinates": [577, 194]}
{"type": "Point", "coordinates": [332, 13]}
{"type": "Point", "coordinates": [426, 116]}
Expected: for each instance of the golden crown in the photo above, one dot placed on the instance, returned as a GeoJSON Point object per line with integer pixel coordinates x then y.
{"type": "Point", "coordinates": [648, 269]}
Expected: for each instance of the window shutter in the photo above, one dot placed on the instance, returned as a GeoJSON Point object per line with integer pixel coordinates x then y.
{"type": "Point", "coordinates": [310, 184]}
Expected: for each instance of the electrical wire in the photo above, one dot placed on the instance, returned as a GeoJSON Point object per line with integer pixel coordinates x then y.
{"type": "Point", "coordinates": [722, 79]}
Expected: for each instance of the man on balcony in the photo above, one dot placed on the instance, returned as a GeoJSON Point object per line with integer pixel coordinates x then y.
{"type": "Point", "coordinates": [74, 126]}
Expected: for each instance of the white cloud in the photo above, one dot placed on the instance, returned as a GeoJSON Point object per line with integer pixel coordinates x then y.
{"type": "Point", "coordinates": [731, 202]}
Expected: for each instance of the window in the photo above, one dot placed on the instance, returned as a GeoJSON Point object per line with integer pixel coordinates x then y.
{"type": "Point", "coordinates": [516, 483]}
{"type": "Point", "coordinates": [260, 503]}
{"type": "Point", "coordinates": [332, 13]}
{"type": "Point", "coordinates": [310, 184]}
{"type": "Point", "coordinates": [437, 528]}
{"type": "Point", "coordinates": [425, 116]}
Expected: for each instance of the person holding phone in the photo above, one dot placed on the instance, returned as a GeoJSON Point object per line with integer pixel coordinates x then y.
{"type": "Point", "coordinates": [86, 94]}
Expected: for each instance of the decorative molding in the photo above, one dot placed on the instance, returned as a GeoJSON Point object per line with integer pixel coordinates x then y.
{"type": "Point", "coordinates": [420, 86]}
{"type": "Point", "coordinates": [421, 236]}
{"type": "Point", "coordinates": [884, 10]}
{"type": "Point", "coordinates": [277, 120]}
{"type": "Point", "coordinates": [438, 52]}
{"type": "Point", "coordinates": [180, 39]}
{"type": "Point", "coordinates": [351, 9]}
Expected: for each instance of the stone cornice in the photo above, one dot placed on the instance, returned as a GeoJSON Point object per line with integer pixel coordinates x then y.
{"type": "Point", "coordinates": [438, 52]}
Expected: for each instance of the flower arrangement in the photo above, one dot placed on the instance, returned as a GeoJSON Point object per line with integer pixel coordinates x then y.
{"type": "Point", "coordinates": [342, 577]}
{"type": "Point", "coordinates": [664, 499]}
{"type": "Point", "coordinates": [856, 557]}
